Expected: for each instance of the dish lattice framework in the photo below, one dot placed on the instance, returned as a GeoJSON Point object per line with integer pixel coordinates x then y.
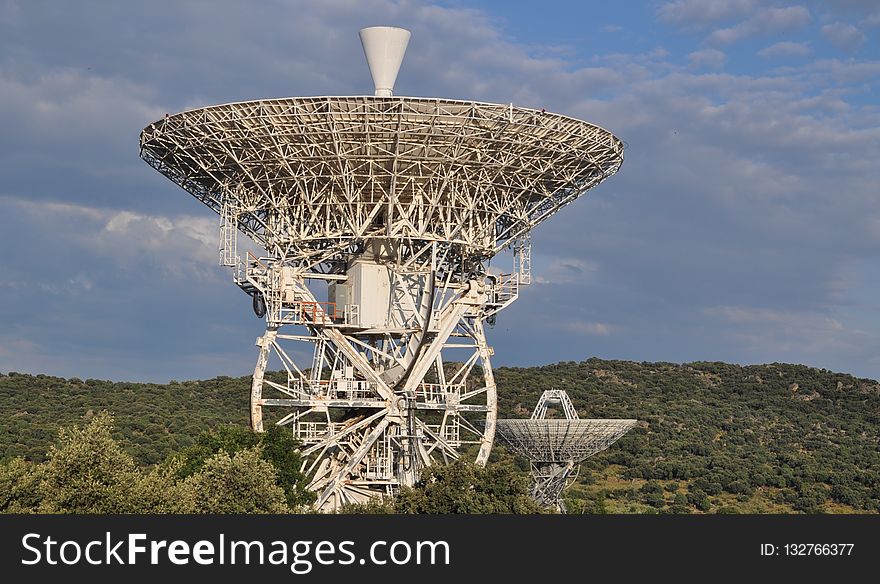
{"type": "Point", "coordinates": [555, 447]}
{"type": "Point", "coordinates": [309, 178]}
{"type": "Point", "coordinates": [561, 440]}
{"type": "Point", "coordinates": [396, 205]}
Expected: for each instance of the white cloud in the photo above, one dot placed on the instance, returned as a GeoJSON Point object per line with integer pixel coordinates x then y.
{"type": "Point", "coordinates": [785, 49]}
{"type": "Point", "coordinates": [707, 58]}
{"type": "Point", "coordinates": [562, 270]}
{"type": "Point", "coordinates": [749, 315]}
{"type": "Point", "coordinates": [784, 333]}
{"type": "Point", "coordinates": [763, 22]}
{"type": "Point", "coordinates": [703, 12]}
{"type": "Point", "coordinates": [851, 6]}
{"type": "Point", "coordinates": [843, 36]}
{"type": "Point", "coordinates": [589, 328]}
{"type": "Point", "coordinates": [65, 108]}
{"type": "Point", "coordinates": [181, 246]}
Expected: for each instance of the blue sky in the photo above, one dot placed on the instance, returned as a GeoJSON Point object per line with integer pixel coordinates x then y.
{"type": "Point", "coordinates": [744, 225]}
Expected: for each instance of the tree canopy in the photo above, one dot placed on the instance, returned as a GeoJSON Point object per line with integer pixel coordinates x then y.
{"type": "Point", "coordinates": [87, 472]}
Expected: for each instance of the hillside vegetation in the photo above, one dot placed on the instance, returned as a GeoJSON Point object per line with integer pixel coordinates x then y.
{"type": "Point", "coordinates": [717, 437]}
{"type": "Point", "coordinates": [712, 437]}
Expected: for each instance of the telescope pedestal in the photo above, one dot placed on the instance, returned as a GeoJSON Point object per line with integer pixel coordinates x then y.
{"type": "Point", "coordinates": [379, 401]}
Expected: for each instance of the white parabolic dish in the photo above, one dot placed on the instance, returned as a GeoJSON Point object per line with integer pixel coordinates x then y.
{"type": "Point", "coordinates": [333, 170]}
{"type": "Point", "coordinates": [559, 440]}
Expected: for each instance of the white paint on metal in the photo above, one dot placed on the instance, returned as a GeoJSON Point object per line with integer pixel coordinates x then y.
{"type": "Point", "coordinates": [369, 286]}
{"type": "Point", "coordinates": [384, 47]}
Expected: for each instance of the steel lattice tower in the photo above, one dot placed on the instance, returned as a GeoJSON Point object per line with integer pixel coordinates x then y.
{"type": "Point", "coordinates": [392, 207]}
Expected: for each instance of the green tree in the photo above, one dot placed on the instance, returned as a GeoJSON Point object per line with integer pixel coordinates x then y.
{"type": "Point", "coordinates": [462, 487]}
{"type": "Point", "coordinates": [680, 504]}
{"type": "Point", "coordinates": [160, 490]}
{"type": "Point", "coordinates": [281, 449]}
{"type": "Point", "coordinates": [87, 472]}
{"type": "Point", "coordinates": [699, 499]}
{"type": "Point", "coordinates": [276, 446]}
{"type": "Point", "coordinates": [19, 486]}
{"type": "Point", "coordinates": [243, 483]}
{"type": "Point", "coordinates": [595, 506]}
{"type": "Point", "coordinates": [811, 499]}
{"type": "Point", "coordinates": [228, 438]}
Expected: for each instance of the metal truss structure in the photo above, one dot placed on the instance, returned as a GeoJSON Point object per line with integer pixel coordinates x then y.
{"type": "Point", "coordinates": [379, 217]}
{"type": "Point", "coordinates": [556, 447]}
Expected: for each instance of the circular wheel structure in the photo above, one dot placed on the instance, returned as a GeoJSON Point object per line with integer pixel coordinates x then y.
{"type": "Point", "coordinates": [378, 217]}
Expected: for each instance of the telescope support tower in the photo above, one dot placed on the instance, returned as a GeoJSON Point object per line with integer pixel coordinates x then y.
{"type": "Point", "coordinates": [375, 219]}
{"type": "Point", "coordinates": [388, 391]}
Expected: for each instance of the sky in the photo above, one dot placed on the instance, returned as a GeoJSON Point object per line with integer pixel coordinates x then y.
{"type": "Point", "coordinates": [744, 225]}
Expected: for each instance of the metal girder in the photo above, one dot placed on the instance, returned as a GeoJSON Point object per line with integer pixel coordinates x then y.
{"type": "Point", "coordinates": [353, 460]}
{"type": "Point", "coordinates": [363, 438]}
{"type": "Point", "coordinates": [307, 171]}
{"type": "Point", "coordinates": [554, 397]}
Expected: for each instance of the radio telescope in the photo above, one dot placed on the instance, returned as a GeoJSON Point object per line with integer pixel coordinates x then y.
{"type": "Point", "coordinates": [556, 447]}
{"type": "Point", "coordinates": [378, 216]}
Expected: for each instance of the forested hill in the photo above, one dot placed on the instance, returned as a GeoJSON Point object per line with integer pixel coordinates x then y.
{"type": "Point", "coordinates": [713, 437]}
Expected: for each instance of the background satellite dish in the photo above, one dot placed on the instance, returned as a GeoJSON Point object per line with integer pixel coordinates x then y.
{"type": "Point", "coordinates": [556, 447]}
